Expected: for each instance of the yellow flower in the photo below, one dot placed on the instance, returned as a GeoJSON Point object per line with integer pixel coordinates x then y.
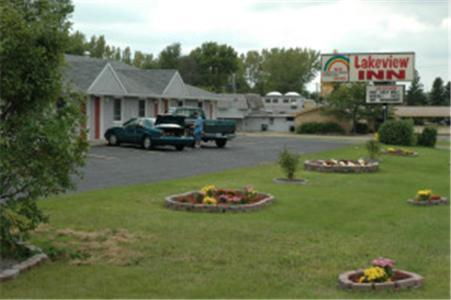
{"type": "Point", "coordinates": [391, 149]}
{"type": "Point", "coordinates": [207, 190]}
{"type": "Point", "coordinates": [210, 200]}
{"type": "Point", "coordinates": [373, 274]}
{"type": "Point", "coordinates": [376, 137]}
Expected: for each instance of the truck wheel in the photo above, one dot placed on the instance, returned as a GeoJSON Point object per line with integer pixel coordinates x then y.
{"type": "Point", "coordinates": [179, 147]}
{"type": "Point", "coordinates": [147, 143]}
{"type": "Point", "coordinates": [221, 143]}
{"type": "Point", "coordinates": [112, 140]}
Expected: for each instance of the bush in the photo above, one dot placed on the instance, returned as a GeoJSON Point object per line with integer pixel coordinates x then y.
{"type": "Point", "coordinates": [397, 132]}
{"type": "Point", "coordinates": [321, 128]}
{"type": "Point", "coordinates": [374, 148]}
{"type": "Point", "coordinates": [289, 163]}
{"type": "Point", "coordinates": [428, 137]}
{"type": "Point", "coordinates": [362, 128]}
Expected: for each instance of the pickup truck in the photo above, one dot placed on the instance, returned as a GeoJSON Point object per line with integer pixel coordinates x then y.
{"type": "Point", "coordinates": [150, 132]}
{"type": "Point", "coordinates": [219, 131]}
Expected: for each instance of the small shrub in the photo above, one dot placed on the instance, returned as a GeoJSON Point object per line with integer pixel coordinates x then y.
{"type": "Point", "coordinates": [362, 128]}
{"type": "Point", "coordinates": [428, 137]}
{"type": "Point", "coordinates": [321, 128]}
{"type": "Point", "coordinates": [374, 148]}
{"type": "Point", "coordinates": [397, 132]}
{"type": "Point", "coordinates": [288, 163]}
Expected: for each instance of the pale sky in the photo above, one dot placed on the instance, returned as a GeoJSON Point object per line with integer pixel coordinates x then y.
{"type": "Point", "coordinates": [420, 26]}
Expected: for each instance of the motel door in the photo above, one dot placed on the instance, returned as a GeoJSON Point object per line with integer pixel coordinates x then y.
{"type": "Point", "coordinates": [97, 118]}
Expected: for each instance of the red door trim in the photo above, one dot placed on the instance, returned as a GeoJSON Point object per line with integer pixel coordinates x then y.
{"type": "Point", "coordinates": [97, 118]}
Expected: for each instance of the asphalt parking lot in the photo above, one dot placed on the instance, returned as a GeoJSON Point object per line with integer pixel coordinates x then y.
{"type": "Point", "coordinates": [116, 166]}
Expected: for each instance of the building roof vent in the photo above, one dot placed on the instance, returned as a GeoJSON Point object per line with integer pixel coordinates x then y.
{"type": "Point", "coordinates": [273, 93]}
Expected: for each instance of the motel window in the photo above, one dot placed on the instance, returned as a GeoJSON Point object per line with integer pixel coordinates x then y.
{"type": "Point", "coordinates": [275, 100]}
{"type": "Point", "coordinates": [268, 100]}
{"type": "Point", "coordinates": [180, 103]}
{"type": "Point", "coordinates": [271, 121]}
{"type": "Point", "coordinates": [141, 108]}
{"type": "Point", "coordinates": [117, 110]}
{"type": "Point", "coordinates": [200, 104]}
{"type": "Point", "coordinates": [286, 100]}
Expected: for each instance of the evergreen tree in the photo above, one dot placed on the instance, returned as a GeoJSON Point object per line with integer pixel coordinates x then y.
{"type": "Point", "coordinates": [447, 94]}
{"type": "Point", "coordinates": [415, 94]}
{"type": "Point", "coordinates": [437, 94]}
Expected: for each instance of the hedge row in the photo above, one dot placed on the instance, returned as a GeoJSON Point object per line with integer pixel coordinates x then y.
{"type": "Point", "coordinates": [320, 128]}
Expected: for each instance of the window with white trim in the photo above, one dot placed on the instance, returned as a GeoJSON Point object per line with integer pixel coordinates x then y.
{"type": "Point", "coordinates": [141, 108]}
{"type": "Point", "coordinates": [117, 110]}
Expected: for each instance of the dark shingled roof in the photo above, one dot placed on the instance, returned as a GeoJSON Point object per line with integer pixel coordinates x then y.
{"type": "Point", "coordinates": [81, 71]}
{"type": "Point", "coordinates": [145, 81]}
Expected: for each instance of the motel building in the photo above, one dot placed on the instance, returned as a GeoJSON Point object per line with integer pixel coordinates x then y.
{"type": "Point", "coordinates": [116, 92]}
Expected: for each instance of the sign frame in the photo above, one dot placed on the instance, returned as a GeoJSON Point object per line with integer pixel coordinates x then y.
{"type": "Point", "coordinates": [347, 62]}
{"type": "Point", "coordinates": [397, 87]}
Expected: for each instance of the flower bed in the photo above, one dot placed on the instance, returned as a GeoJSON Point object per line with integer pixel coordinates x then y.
{"type": "Point", "coordinates": [380, 276]}
{"type": "Point", "coordinates": [426, 198]}
{"type": "Point", "coordinates": [341, 165]}
{"type": "Point", "coordinates": [399, 152]}
{"type": "Point", "coordinates": [211, 199]}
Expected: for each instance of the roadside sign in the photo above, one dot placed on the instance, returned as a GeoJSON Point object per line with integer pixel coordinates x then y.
{"type": "Point", "coordinates": [366, 67]}
{"type": "Point", "coordinates": [384, 94]}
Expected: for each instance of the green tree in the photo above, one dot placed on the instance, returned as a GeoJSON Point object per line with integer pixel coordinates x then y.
{"type": "Point", "coordinates": [76, 43]}
{"type": "Point", "coordinates": [169, 58]}
{"type": "Point", "coordinates": [98, 49]}
{"type": "Point", "coordinates": [415, 94]}
{"type": "Point", "coordinates": [290, 69]}
{"type": "Point", "coordinates": [215, 64]}
{"type": "Point", "coordinates": [348, 102]}
{"type": "Point", "coordinates": [253, 70]}
{"type": "Point", "coordinates": [149, 62]}
{"type": "Point", "coordinates": [438, 93]}
{"type": "Point", "coordinates": [117, 54]}
{"type": "Point", "coordinates": [40, 144]}
{"type": "Point", "coordinates": [127, 56]}
{"type": "Point", "coordinates": [109, 52]}
{"type": "Point", "coordinates": [447, 94]}
{"type": "Point", "coordinates": [138, 59]}
{"type": "Point", "coordinates": [188, 69]}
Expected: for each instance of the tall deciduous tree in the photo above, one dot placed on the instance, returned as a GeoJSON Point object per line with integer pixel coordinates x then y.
{"type": "Point", "coordinates": [169, 58]}
{"type": "Point", "coordinates": [149, 62]}
{"type": "Point", "coordinates": [437, 93]}
{"type": "Point", "coordinates": [415, 94]}
{"type": "Point", "coordinates": [138, 59]}
{"type": "Point", "coordinates": [127, 56]}
{"type": "Point", "coordinates": [216, 63]}
{"type": "Point", "coordinates": [40, 144]}
{"type": "Point", "coordinates": [188, 69]}
{"type": "Point", "coordinates": [290, 69]}
{"type": "Point", "coordinates": [348, 102]}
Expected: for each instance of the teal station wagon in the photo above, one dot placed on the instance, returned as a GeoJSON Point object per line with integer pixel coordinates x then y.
{"type": "Point", "coordinates": [150, 132]}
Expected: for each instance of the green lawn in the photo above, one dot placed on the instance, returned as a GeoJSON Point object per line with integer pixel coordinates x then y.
{"type": "Point", "coordinates": [294, 248]}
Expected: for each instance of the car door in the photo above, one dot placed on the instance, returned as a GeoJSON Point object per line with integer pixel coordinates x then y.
{"type": "Point", "coordinates": [130, 131]}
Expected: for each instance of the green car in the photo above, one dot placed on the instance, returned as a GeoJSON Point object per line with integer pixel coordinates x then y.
{"type": "Point", "coordinates": [149, 133]}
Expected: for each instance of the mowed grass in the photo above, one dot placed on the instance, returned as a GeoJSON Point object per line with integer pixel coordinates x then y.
{"type": "Point", "coordinates": [294, 248]}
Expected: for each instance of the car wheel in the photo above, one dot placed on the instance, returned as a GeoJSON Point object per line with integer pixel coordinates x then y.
{"type": "Point", "coordinates": [112, 140]}
{"type": "Point", "coordinates": [221, 143]}
{"type": "Point", "coordinates": [147, 143]}
{"type": "Point", "coordinates": [179, 147]}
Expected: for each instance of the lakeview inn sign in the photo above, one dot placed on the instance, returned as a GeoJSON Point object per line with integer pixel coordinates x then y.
{"type": "Point", "coordinates": [366, 67]}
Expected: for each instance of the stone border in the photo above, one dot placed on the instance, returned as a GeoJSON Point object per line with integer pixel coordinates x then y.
{"type": "Point", "coordinates": [414, 281]}
{"type": "Point", "coordinates": [173, 204]}
{"type": "Point", "coordinates": [25, 265]}
{"type": "Point", "coordinates": [289, 181]}
{"type": "Point", "coordinates": [414, 154]}
{"type": "Point", "coordinates": [442, 200]}
{"type": "Point", "coordinates": [313, 165]}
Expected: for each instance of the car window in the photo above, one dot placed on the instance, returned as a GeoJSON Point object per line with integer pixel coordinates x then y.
{"type": "Point", "coordinates": [148, 123]}
{"type": "Point", "coordinates": [131, 122]}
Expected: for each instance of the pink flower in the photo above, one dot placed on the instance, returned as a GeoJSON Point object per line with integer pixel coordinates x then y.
{"type": "Point", "coordinates": [383, 262]}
